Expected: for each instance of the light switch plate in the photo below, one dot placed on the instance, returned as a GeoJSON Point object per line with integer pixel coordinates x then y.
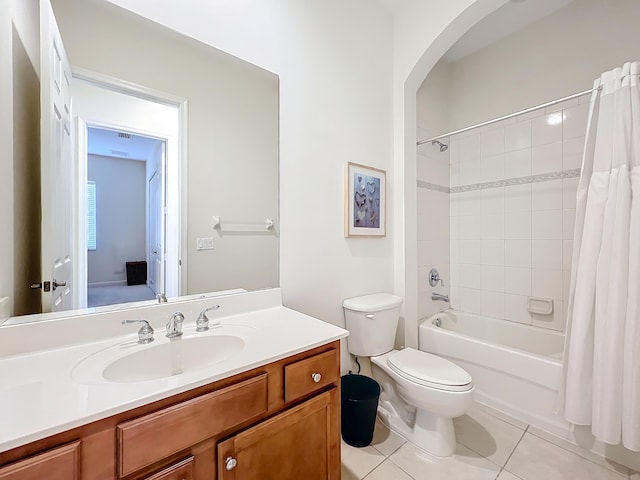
{"type": "Point", "coordinates": [204, 243]}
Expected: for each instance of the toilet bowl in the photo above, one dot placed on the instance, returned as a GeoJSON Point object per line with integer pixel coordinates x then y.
{"type": "Point", "coordinates": [421, 392]}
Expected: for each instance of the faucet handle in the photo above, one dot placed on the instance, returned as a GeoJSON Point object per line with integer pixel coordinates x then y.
{"type": "Point", "coordinates": [202, 323]}
{"type": "Point", "coordinates": [434, 278]}
{"type": "Point", "coordinates": [145, 334]}
{"type": "Point", "coordinates": [174, 327]}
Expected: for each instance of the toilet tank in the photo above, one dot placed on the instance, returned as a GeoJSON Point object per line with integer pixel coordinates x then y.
{"type": "Point", "coordinates": [371, 321]}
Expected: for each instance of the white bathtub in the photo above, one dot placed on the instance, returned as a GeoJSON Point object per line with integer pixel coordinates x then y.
{"type": "Point", "coordinates": [516, 368]}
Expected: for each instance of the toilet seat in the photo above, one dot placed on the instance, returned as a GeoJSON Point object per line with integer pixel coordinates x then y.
{"type": "Point", "coordinates": [429, 370]}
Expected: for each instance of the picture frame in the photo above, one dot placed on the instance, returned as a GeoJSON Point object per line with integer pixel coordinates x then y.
{"type": "Point", "coordinates": [365, 201]}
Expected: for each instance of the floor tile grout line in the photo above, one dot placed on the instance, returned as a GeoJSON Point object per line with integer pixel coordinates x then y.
{"type": "Point", "coordinates": [368, 472]}
{"type": "Point", "coordinates": [393, 463]}
{"type": "Point", "coordinates": [400, 467]}
{"type": "Point", "coordinates": [374, 469]}
{"type": "Point", "coordinates": [478, 453]}
{"type": "Point", "coordinates": [503, 421]}
{"type": "Point", "coordinates": [397, 464]}
{"type": "Point", "coordinates": [394, 451]}
{"type": "Point", "coordinates": [512, 452]}
{"type": "Point", "coordinates": [582, 456]}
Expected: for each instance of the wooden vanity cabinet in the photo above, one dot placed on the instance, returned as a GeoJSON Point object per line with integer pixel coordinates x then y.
{"type": "Point", "coordinates": [61, 463]}
{"type": "Point", "coordinates": [280, 421]}
{"type": "Point", "coordinates": [290, 446]}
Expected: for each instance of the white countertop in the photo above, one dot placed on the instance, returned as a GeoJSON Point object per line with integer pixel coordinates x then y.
{"type": "Point", "coordinates": [40, 397]}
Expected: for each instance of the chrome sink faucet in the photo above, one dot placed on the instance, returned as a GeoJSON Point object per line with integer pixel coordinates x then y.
{"type": "Point", "coordinates": [174, 326]}
{"type": "Point", "coordinates": [145, 334]}
{"type": "Point", "coordinates": [202, 323]}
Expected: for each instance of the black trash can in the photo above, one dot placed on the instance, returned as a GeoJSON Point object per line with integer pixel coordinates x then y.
{"type": "Point", "coordinates": [136, 272]}
{"type": "Point", "coordinates": [359, 405]}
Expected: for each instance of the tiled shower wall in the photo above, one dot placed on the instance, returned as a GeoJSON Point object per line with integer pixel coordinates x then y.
{"type": "Point", "coordinates": [433, 224]}
{"type": "Point", "coordinates": [512, 210]}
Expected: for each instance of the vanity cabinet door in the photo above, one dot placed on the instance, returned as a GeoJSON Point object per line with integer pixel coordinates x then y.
{"type": "Point", "coordinates": [60, 463]}
{"type": "Point", "coordinates": [301, 443]}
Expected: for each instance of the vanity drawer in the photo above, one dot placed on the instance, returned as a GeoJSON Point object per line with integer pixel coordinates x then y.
{"type": "Point", "coordinates": [311, 374]}
{"type": "Point", "coordinates": [179, 471]}
{"type": "Point", "coordinates": [60, 463]}
{"type": "Point", "coordinates": [186, 424]}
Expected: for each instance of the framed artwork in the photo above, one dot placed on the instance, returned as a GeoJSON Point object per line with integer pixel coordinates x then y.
{"type": "Point", "coordinates": [365, 201]}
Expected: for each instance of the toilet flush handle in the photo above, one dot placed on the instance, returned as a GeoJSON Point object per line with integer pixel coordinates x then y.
{"type": "Point", "coordinates": [369, 316]}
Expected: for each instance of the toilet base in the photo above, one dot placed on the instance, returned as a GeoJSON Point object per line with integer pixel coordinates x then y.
{"type": "Point", "coordinates": [432, 433]}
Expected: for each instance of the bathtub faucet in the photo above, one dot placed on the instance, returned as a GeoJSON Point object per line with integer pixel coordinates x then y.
{"type": "Point", "coordinates": [439, 297]}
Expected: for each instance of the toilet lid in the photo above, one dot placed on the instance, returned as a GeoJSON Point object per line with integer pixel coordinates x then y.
{"type": "Point", "coordinates": [429, 370]}
{"type": "Point", "coordinates": [372, 303]}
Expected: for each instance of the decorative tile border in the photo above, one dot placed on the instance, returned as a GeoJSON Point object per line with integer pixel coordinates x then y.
{"type": "Point", "coordinates": [509, 182]}
{"type": "Point", "coordinates": [433, 186]}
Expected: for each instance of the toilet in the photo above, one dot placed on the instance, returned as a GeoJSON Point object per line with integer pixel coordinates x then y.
{"type": "Point", "coordinates": [421, 393]}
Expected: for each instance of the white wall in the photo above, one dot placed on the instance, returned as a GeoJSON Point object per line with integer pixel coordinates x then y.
{"type": "Point", "coordinates": [107, 108]}
{"type": "Point", "coordinates": [20, 66]}
{"type": "Point", "coordinates": [532, 224]}
{"type": "Point", "coordinates": [515, 241]}
{"type": "Point", "coordinates": [432, 172]}
{"type": "Point", "coordinates": [556, 56]}
{"type": "Point", "coordinates": [340, 66]}
{"type": "Point", "coordinates": [120, 215]}
{"type": "Point", "coordinates": [334, 61]}
{"type": "Point", "coordinates": [337, 79]}
{"type": "Point", "coordinates": [585, 50]}
{"type": "Point", "coordinates": [423, 32]}
{"type": "Point", "coordinates": [232, 134]}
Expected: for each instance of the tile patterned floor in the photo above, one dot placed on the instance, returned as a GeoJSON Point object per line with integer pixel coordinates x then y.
{"type": "Point", "coordinates": [491, 446]}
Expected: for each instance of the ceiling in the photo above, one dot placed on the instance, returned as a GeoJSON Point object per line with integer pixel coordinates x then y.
{"type": "Point", "coordinates": [113, 143]}
{"type": "Point", "coordinates": [511, 17]}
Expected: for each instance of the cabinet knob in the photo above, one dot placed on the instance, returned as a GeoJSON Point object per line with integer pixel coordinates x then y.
{"type": "Point", "coordinates": [230, 463]}
{"type": "Point", "coordinates": [316, 377]}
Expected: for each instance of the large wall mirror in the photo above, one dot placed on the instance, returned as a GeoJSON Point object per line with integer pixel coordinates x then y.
{"type": "Point", "coordinates": [195, 178]}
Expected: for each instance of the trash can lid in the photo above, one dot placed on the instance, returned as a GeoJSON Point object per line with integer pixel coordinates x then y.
{"type": "Point", "coordinates": [359, 387]}
{"type": "Point", "coordinates": [372, 303]}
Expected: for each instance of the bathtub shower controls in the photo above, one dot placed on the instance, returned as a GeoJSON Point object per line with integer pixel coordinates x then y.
{"type": "Point", "coordinates": [145, 334]}
{"type": "Point", "coordinates": [174, 326]}
{"type": "Point", "coordinates": [437, 322]}
{"type": "Point", "coordinates": [202, 323]}
{"type": "Point", "coordinates": [438, 297]}
{"type": "Point", "coordinates": [434, 278]}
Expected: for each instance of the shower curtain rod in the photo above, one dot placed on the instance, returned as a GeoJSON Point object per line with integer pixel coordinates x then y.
{"type": "Point", "coordinates": [505, 117]}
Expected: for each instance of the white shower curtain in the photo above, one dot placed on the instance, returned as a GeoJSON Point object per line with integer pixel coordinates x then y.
{"type": "Point", "coordinates": [602, 354]}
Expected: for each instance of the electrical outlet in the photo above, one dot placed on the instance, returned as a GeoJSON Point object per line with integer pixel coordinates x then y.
{"type": "Point", "coordinates": [204, 243]}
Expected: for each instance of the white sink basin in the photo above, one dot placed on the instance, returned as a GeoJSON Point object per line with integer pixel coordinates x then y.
{"type": "Point", "coordinates": [173, 358]}
{"type": "Point", "coordinates": [130, 362]}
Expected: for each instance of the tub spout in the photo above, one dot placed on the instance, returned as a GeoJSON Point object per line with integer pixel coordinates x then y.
{"type": "Point", "coordinates": [439, 297]}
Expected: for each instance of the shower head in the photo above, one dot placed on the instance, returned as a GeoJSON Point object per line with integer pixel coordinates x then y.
{"type": "Point", "coordinates": [443, 146]}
